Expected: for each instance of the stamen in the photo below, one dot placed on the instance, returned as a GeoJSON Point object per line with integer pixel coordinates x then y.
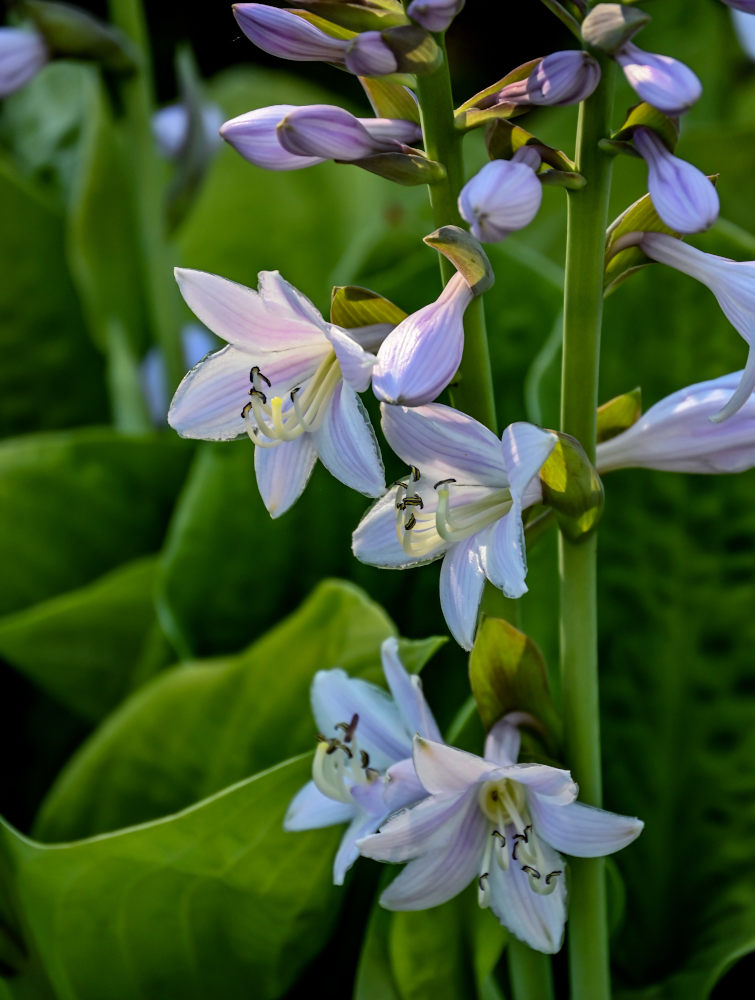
{"type": "Point", "coordinates": [365, 758]}
{"type": "Point", "coordinates": [416, 474]}
{"type": "Point", "coordinates": [410, 522]}
{"type": "Point", "coordinates": [399, 483]}
{"type": "Point", "coordinates": [531, 871]}
{"type": "Point", "coordinates": [349, 728]}
{"type": "Point", "coordinates": [258, 394]}
{"type": "Point", "coordinates": [255, 375]}
{"type": "Point", "coordinates": [245, 411]}
{"type": "Point", "coordinates": [443, 482]}
{"type": "Point", "coordinates": [551, 875]}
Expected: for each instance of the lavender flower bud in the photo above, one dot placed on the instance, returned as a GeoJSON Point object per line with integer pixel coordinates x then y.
{"type": "Point", "coordinates": [255, 136]}
{"type": "Point", "coordinates": [331, 132]}
{"type": "Point", "coordinates": [286, 35]}
{"type": "Point", "coordinates": [502, 197]}
{"type": "Point", "coordinates": [434, 15]}
{"type": "Point", "coordinates": [368, 55]}
{"type": "Point", "coordinates": [22, 56]}
{"type": "Point", "coordinates": [682, 195]}
{"type": "Point", "coordinates": [666, 83]}
{"type": "Point", "coordinates": [561, 78]}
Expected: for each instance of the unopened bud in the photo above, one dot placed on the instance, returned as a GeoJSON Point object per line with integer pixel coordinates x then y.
{"type": "Point", "coordinates": [664, 82]}
{"type": "Point", "coordinates": [22, 55]}
{"type": "Point", "coordinates": [502, 197]}
{"type": "Point", "coordinates": [682, 195]}
{"type": "Point", "coordinates": [572, 487]}
{"type": "Point", "coordinates": [434, 15]}
{"type": "Point", "coordinates": [466, 254]}
{"type": "Point", "coordinates": [561, 78]}
{"type": "Point", "coordinates": [611, 25]}
{"type": "Point", "coordinates": [286, 35]}
{"type": "Point", "coordinates": [331, 132]}
{"type": "Point", "coordinates": [413, 50]}
{"type": "Point", "coordinates": [369, 55]}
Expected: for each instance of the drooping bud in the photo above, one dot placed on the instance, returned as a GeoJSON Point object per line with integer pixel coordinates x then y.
{"type": "Point", "coordinates": [608, 26]}
{"type": "Point", "coordinates": [332, 133]}
{"type": "Point", "coordinates": [255, 136]}
{"type": "Point", "coordinates": [73, 33]}
{"type": "Point", "coordinates": [664, 82]}
{"type": "Point", "coordinates": [368, 55]}
{"type": "Point", "coordinates": [434, 15]}
{"type": "Point", "coordinates": [466, 255]}
{"type": "Point", "coordinates": [683, 196]}
{"type": "Point", "coordinates": [284, 34]}
{"type": "Point", "coordinates": [22, 55]}
{"type": "Point", "coordinates": [502, 197]}
{"type": "Point", "coordinates": [405, 49]}
{"type": "Point", "coordinates": [560, 79]}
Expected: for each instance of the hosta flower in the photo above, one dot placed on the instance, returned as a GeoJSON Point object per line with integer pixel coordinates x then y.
{"type": "Point", "coordinates": [22, 55]}
{"type": "Point", "coordinates": [287, 378]}
{"type": "Point", "coordinates": [683, 196]}
{"type": "Point", "coordinates": [664, 82]}
{"type": "Point", "coordinates": [560, 79]}
{"type": "Point", "coordinates": [744, 25]}
{"type": "Point", "coordinates": [275, 138]}
{"type": "Point", "coordinates": [420, 356]}
{"type": "Point", "coordinates": [677, 434]}
{"type": "Point", "coordinates": [463, 501]}
{"type": "Point", "coordinates": [434, 15]}
{"type": "Point", "coordinates": [498, 823]}
{"type": "Point", "coordinates": [362, 770]}
{"type": "Point", "coordinates": [502, 197]}
{"type": "Point", "coordinates": [733, 284]}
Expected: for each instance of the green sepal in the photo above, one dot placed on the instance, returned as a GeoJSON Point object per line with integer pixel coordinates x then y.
{"type": "Point", "coordinates": [568, 179]}
{"type": "Point", "coordinates": [390, 99]}
{"type": "Point", "coordinates": [408, 169]}
{"type": "Point", "coordinates": [609, 26]}
{"type": "Point", "coordinates": [470, 115]}
{"type": "Point", "coordinates": [73, 33]}
{"type": "Point", "coordinates": [415, 49]}
{"type": "Point", "coordinates": [572, 488]}
{"type": "Point", "coordinates": [352, 306]}
{"type": "Point", "coordinates": [503, 140]}
{"type": "Point", "coordinates": [507, 673]}
{"type": "Point", "coordinates": [645, 115]}
{"type": "Point", "coordinates": [618, 414]}
{"type": "Point", "coordinates": [465, 253]}
{"type": "Point", "coordinates": [356, 16]}
{"type": "Point", "coordinates": [328, 27]}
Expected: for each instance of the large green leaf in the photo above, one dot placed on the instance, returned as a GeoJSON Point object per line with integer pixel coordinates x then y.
{"type": "Point", "coordinates": [214, 901]}
{"type": "Point", "coordinates": [202, 726]}
{"type": "Point", "coordinates": [75, 504]}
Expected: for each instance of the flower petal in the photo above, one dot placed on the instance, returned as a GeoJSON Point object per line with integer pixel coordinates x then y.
{"type": "Point", "coordinates": [283, 471]}
{"type": "Point", "coordinates": [375, 541]}
{"type": "Point", "coordinates": [426, 827]}
{"type": "Point", "coordinates": [22, 54]}
{"type": "Point", "coordinates": [208, 402]}
{"type": "Point", "coordinates": [406, 689]}
{"type": "Point", "coordinates": [356, 363]}
{"type": "Point", "coordinates": [361, 826]}
{"type": "Point", "coordinates": [311, 810]}
{"type": "Point", "coordinates": [580, 830]}
{"type": "Point", "coordinates": [442, 769]}
{"type": "Point", "coordinates": [462, 579]}
{"type": "Point", "coordinates": [402, 786]}
{"type": "Point", "coordinates": [536, 919]}
{"type": "Point", "coordinates": [551, 782]}
{"type": "Point", "coordinates": [347, 446]}
{"type": "Point", "coordinates": [742, 393]}
{"type": "Point", "coordinates": [525, 449]}
{"type": "Point", "coordinates": [502, 743]}
{"type": "Point", "coordinates": [504, 554]}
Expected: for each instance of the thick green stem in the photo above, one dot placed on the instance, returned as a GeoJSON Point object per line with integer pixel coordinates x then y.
{"type": "Point", "coordinates": [583, 307]}
{"type": "Point", "coordinates": [473, 392]}
{"type": "Point", "coordinates": [148, 197]}
{"type": "Point", "coordinates": [529, 973]}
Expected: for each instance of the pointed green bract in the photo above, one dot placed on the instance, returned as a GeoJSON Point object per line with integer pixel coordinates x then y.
{"type": "Point", "coordinates": [572, 488]}
{"type": "Point", "coordinates": [618, 414]}
{"type": "Point", "coordinates": [352, 306]}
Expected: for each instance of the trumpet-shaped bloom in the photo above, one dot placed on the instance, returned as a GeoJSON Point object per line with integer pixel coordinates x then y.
{"type": "Point", "coordinates": [559, 79]}
{"type": "Point", "coordinates": [420, 356]}
{"type": "Point", "coordinates": [683, 196]}
{"type": "Point", "coordinates": [733, 284]}
{"type": "Point", "coordinates": [664, 82]}
{"type": "Point", "coordinates": [434, 15]}
{"type": "Point", "coordinates": [502, 197]}
{"type": "Point", "coordinates": [22, 55]}
{"type": "Point", "coordinates": [362, 770]}
{"type": "Point", "coordinates": [463, 501]}
{"type": "Point", "coordinates": [499, 823]}
{"type": "Point", "coordinates": [287, 378]}
{"type": "Point", "coordinates": [276, 137]}
{"type": "Point", "coordinates": [677, 434]}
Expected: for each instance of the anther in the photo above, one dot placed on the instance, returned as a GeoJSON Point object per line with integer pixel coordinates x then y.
{"type": "Point", "coordinates": [365, 758]}
{"type": "Point", "coordinates": [293, 392]}
{"type": "Point", "coordinates": [399, 483]}
{"type": "Point", "coordinates": [256, 373]}
{"type": "Point", "coordinates": [497, 833]}
{"type": "Point", "coordinates": [410, 522]}
{"type": "Point", "coordinates": [348, 728]}
{"type": "Point", "coordinates": [551, 875]}
{"type": "Point", "coordinates": [443, 482]}
{"type": "Point", "coordinates": [480, 881]}
{"type": "Point", "coordinates": [416, 474]}
{"type": "Point", "coordinates": [258, 394]}
{"type": "Point", "coordinates": [245, 411]}
{"type": "Point", "coordinates": [531, 871]}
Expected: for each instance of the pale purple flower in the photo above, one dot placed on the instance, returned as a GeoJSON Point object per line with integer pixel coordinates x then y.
{"type": "Point", "coordinates": [733, 284]}
{"type": "Point", "coordinates": [559, 79]}
{"type": "Point", "coordinates": [23, 53]}
{"type": "Point", "coordinates": [502, 197]}
{"type": "Point", "coordinates": [284, 34]}
{"type": "Point", "coordinates": [268, 137]}
{"type": "Point", "coordinates": [682, 195]}
{"type": "Point", "coordinates": [170, 127]}
{"type": "Point", "coordinates": [363, 769]}
{"type": "Point", "coordinates": [420, 356]}
{"type": "Point", "coordinates": [744, 25]}
{"type": "Point", "coordinates": [434, 15]}
{"type": "Point", "coordinates": [677, 435]}
{"type": "Point", "coordinates": [666, 83]}
{"type": "Point", "coordinates": [462, 502]}
{"type": "Point", "coordinates": [287, 378]}
{"type": "Point", "coordinates": [498, 823]}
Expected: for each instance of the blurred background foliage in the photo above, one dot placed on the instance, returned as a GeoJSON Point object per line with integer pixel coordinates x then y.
{"type": "Point", "coordinates": [149, 665]}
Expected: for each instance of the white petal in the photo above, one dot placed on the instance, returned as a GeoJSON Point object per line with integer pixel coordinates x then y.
{"type": "Point", "coordinates": [406, 689]}
{"type": "Point", "coordinates": [210, 398]}
{"type": "Point", "coordinates": [356, 363]}
{"type": "Point", "coordinates": [503, 553]}
{"type": "Point", "coordinates": [336, 697]}
{"type": "Point", "coordinates": [462, 579]}
{"type": "Point", "coordinates": [525, 449]}
{"type": "Point", "coordinates": [442, 769]}
{"type": "Point", "coordinates": [402, 786]}
{"type": "Point", "coordinates": [311, 810]}
{"type": "Point", "coordinates": [428, 826]}
{"type": "Point", "coordinates": [580, 830]}
{"type": "Point", "coordinates": [281, 297]}
{"type": "Point", "coordinates": [443, 442]}
{"type": "Point", "coordinates": [502, 743]}
{"type": "Point", "coordinates": [362, 825]}
{"type": "Point", "coordinates": [533, 918]}
{"type": "Point", "coordinates": [283, 471]}
{"type": "Point", "coordinates": [347, 446]}
{"type": "Point", "coordinates": [742, 393]}
{"type": "Point", "coordinates": [551, 782]}
{"type": "Point", "coordinates": [375, 541]}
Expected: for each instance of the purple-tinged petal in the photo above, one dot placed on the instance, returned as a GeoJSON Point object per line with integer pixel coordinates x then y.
{"type": "Point", "coordinates": [664, 82]}
{"type": "Point", "coordinates": [406, 689]}
{"type": "Point", "coordinates": [434, 15]}
{"type": "Point", "coordinates": [525, 449]}
{"type": "Point", "coordinates": [462, 579]}
{"type": "Point", "coordinates": [536, 919]}
{"type": "Point", "coordinates": [742, 393]}
{"type": "Point", "coordinates": [746, 6]}
{"type": "Point", "coordinates": [501, 198]}
{"type": "Point", "coordinates": [356, 363]}
{"type": "Point", "coordinates": [744, 24]}
{"type": "Point", "coordinates": [551, 782]}
{"type": "Point", "coordinates": [368, 55]}
{"type": "Point", "coordinates": [580, 830]}
{"type": "Point", "coordinates": [559, 79]}
{"type": "Point", "coordinates": [254, 136]}
{"type": "Point", "coordinates": [362, 825]}
{"type": "Point", "coordinates": [392, 128]}
{"type": "Point", "coordinates": [336, 697]}
{"type": "Point", "coordinates": [682, 195]}
{"type": "Point", "coordinates": [347, 446]}
{"type": "Point", "coordinates": [22, 55]}
{"type": "Point", "coordinates": [445, 443]}
{"type": "Point", "coordinates": [282, 473]}
{"type": "Point", "coordinates": [283, 34]}
{"type": "Point", "coordinates": [311, 810]}
{"type": "Point", "coordinates": [502, 743]}
{"type": "Point", "coordinates": [504, 554]}
{"type": "Point", "coordinates": [328, 131]}
{"type": "Point", "coordinates": [428, 826]}
{"type": "Point", "coordinates": [418, 359]}
{"type": "Point", "coordinates": [282, 299]}
{"type": "Point", "coordinates": [402, 786]}
{"type": "Point", "coordinates": [442, 769]}
{"type": "Point", "coordinates": [208, 402]}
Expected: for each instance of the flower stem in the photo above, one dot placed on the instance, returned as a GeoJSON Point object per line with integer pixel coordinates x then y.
{"type": "Point", "coordinates": [473, 392]}
{"type": "Point", "coordinates": [147, 196]}
{"type": "Point", "coordinates": [530, 972]}
{"type": "Point", "coordinates": [583, 307]}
